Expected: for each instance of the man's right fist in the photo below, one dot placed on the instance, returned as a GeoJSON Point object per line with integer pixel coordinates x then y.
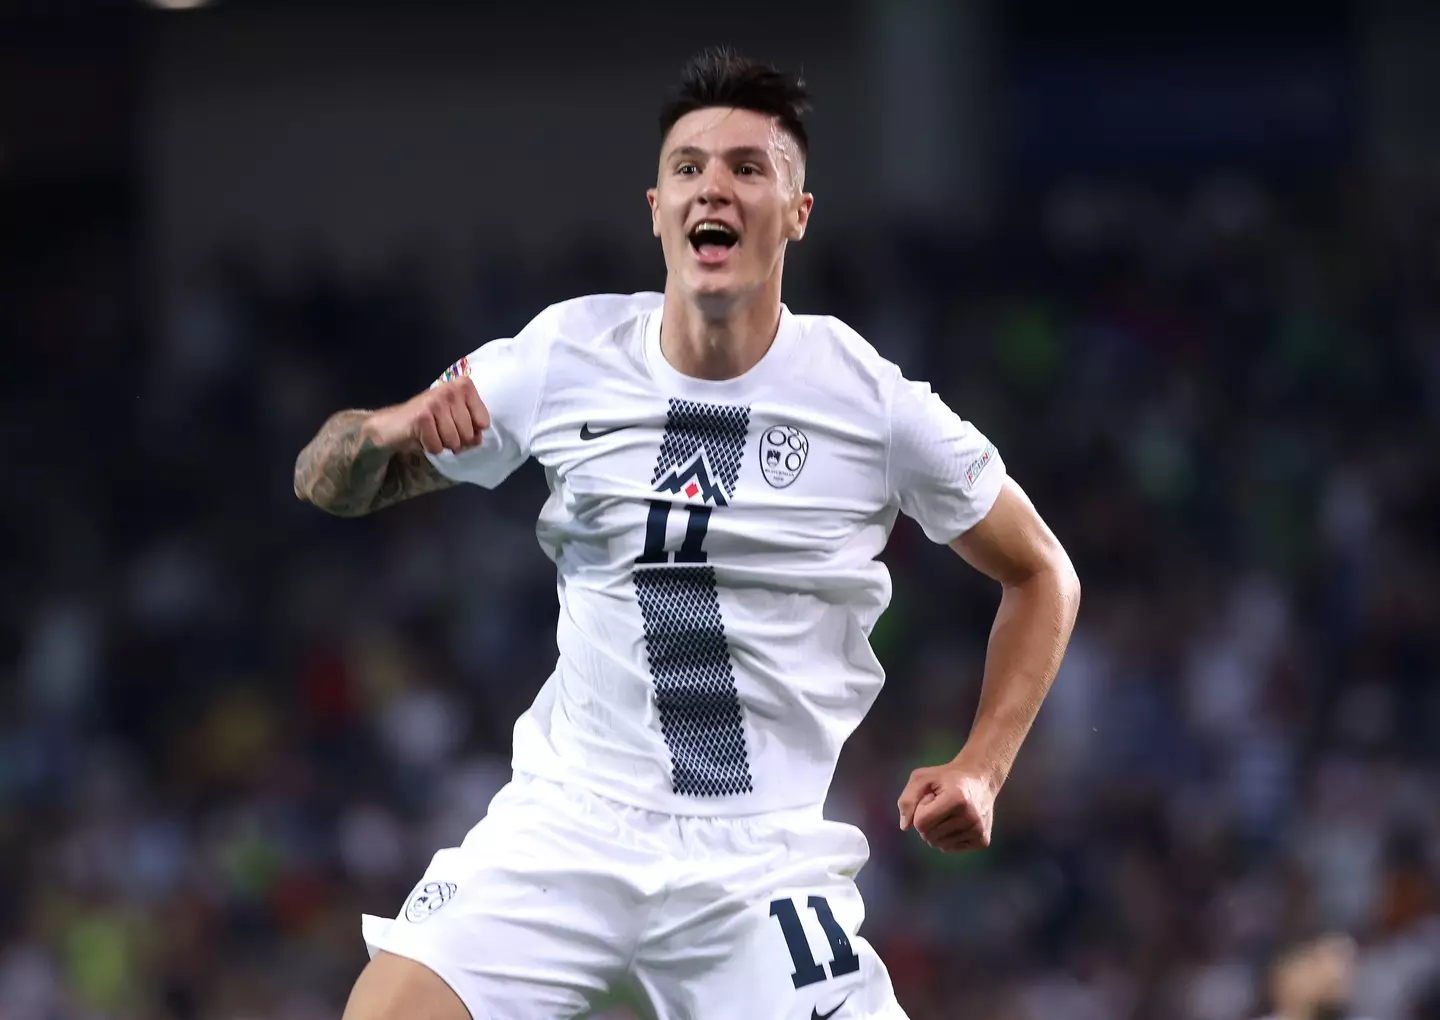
{"type": "Point", "coordinates": [445, 417]}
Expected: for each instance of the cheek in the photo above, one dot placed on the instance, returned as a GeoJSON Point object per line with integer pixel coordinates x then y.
{"type": "Point", "coordinates": [776, 225]}
{"type": "Point", "coordinates": [672, 218]}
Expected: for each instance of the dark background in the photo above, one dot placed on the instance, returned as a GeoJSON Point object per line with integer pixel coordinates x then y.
{"type": "Point", "coordinates": [1181, 263]}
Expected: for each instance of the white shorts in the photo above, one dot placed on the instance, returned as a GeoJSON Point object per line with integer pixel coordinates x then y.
{"type": "Point", "coordinates": [562, 904]}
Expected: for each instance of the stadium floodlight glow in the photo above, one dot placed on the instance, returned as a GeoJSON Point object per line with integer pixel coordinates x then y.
{"type": "Point", "coordinates": [178, 5]}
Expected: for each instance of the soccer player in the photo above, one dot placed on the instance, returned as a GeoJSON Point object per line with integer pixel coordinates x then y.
{"type": "Point", "coordinates": [723, 474]}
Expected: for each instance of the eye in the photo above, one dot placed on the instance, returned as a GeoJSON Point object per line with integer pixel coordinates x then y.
{"type": "Point", "coordinates": [687, 168]}
{"type": "Point", "coordinates": [748, 169]}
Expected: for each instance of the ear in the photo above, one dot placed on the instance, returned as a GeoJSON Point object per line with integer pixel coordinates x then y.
{"type": "Point", "coordinates": [800, 217]}
{"type": "Point", "coordinates": [650, 196]}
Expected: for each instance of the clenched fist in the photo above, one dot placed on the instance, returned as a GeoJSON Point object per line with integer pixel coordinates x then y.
{"type": "Point", "coordinates": [445, 417]}
{"type": "Point", "coordinates": [950, 806]}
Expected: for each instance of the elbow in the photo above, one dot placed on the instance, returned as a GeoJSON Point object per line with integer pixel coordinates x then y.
{"type": "Point", "coordinates": [1051, 579]}
{"type": "Point", "coordinates": [1066, 580]}
{"type": "Point", "coordinates": [1052, 576]}
{"type": "Point", "coordinates": [308, 498]}
{"type": "Point", "coordinates": [333, 507]}
{"type": "Point", "coordinates": [302, 491]}
{"type": "Point", "coordinates": [307, 492]}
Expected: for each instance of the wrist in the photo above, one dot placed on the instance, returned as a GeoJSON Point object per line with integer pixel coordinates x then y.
{"type": "Point", "coordinates": [974, 761]}
{"type": "Point", "coordinates": [378, 430]}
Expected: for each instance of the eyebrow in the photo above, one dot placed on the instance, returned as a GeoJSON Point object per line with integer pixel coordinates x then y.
{"type": "Point", "coordinates": [752, 152]}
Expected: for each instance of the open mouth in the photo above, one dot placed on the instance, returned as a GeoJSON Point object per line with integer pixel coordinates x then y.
{"type": "Point", "coordinates": [712, 241]}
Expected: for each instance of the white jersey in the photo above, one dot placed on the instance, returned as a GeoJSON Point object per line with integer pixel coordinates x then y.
{"type": "Point", "coordinates": [715, 545]}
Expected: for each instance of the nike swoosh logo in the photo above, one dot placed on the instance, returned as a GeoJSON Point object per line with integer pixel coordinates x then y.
{"type": "Point", "coordinates": [815, 1013]}
{"type": "Point", "coordinates": [587, 433]}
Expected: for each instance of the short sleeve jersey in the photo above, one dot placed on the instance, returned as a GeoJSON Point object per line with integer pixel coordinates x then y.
{"type": "Point", "coordinates": [715, 545]}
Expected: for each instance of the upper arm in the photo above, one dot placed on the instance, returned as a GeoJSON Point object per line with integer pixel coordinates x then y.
{"type": "Point", "coordinates": [1011, 544]}
{"type": "Point", "coordinates": [950, 478]}
{"type": "Point", "coordinates": [941, 469]}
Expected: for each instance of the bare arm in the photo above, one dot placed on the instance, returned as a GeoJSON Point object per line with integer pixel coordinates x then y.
{"type": "Point", "coordinates": [1039, 601]}
{"type": "Point", "coordinates": [363, 461]}
{"type": "Point", "coordinates": [342, 470]}
{"type": "Point", "coordinates": [952, 806]}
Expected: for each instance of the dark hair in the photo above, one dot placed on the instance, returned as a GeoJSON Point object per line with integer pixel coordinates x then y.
{"type": "Point", "coordinates": [721, 77]}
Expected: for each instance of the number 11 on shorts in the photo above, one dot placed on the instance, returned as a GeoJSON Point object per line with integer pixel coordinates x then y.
{"type": "Point", "coordinates": [807, 971]}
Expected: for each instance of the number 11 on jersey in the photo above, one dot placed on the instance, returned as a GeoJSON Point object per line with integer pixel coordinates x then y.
{"type": "Point", "coordinates": [691, 549]}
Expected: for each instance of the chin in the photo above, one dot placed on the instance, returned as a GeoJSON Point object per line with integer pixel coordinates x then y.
{"type": "Point", "coordinates": [716, 289]}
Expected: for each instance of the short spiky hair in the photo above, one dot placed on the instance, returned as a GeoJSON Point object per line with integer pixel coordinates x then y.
{"type": "Point", "coordinates": [721, 77]}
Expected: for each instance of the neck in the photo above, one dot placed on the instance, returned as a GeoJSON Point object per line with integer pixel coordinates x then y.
{"type": "Point", "coordinates": [719, 341]}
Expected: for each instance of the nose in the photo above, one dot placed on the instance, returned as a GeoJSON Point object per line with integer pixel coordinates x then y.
{"type": "Point", "coordinates": [717, 188]}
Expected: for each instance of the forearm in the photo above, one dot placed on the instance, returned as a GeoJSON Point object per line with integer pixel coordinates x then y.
{"type": "Point", "coordinates": [1027, 643]}
{"type": "Point", "coordinates": [343, 470]}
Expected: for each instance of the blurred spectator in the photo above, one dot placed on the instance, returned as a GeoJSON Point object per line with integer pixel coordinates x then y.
{"type": "Point", "coordinates": [1314, 980]}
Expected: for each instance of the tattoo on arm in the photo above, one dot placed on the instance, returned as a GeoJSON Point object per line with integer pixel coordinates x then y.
{"type": "Point", "coordinates": [343, 472]}
{"type": "Point", "coordinates": [407, 475]}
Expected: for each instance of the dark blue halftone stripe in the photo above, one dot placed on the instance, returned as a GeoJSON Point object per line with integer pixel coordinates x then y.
{"type": "Point", "coordinates": [689, 656]}
{"type": "Point", "coordinates": [694, 684]}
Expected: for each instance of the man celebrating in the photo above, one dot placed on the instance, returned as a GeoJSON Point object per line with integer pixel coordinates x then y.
{"type": "Point", "coordinates": [723, 474]}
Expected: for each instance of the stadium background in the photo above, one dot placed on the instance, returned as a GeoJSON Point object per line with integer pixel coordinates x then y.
{"type": "Point", "coordinates": [1181, 264]}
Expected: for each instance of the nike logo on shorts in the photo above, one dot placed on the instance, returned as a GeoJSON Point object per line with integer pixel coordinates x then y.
{"type": "Point", "coordinates": [815, 1013]}
{"type": "Point", "coordinates": [587, 433]}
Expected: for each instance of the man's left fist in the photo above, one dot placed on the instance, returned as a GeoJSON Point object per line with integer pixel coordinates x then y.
{"type": "Point", "coordinates": [951, 806]}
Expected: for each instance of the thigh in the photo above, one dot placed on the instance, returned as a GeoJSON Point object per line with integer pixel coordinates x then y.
{"type": "Point", "coordinates": [529, 919]}
{"type": "Point", "coordinates": [775, 935]}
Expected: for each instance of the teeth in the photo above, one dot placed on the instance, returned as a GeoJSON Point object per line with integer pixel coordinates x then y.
{"type": "Point", "coordinates": [706, 226]}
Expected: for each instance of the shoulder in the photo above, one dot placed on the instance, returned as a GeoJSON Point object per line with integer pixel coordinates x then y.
{"type": "Point", "coordinates": [837, 356]}
{"type": "Point", "coordinates": [573, 331]}
{"type": "Point", "coordinates": [584, 319]}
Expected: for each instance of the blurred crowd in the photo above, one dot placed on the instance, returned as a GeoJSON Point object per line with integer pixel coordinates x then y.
{"type": "Point", "coordinates": [231, 724]}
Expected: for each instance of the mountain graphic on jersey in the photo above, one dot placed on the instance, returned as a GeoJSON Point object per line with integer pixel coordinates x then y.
{"type": "Point", "coordinates": [708, 438]}
{"type": "Point", "coordinates": [694, 481]}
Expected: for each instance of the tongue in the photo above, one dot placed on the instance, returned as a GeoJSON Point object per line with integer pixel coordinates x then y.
{"type": "Point", "coordinates": [712, 252]}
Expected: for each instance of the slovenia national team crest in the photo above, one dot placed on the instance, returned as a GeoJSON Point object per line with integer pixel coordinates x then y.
{"type": "Point", "coordinates": [427, 899]}
{"type": "Point", "coordinates": [783, 449]}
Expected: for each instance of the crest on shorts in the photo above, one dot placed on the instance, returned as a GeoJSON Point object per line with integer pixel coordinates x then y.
{"type": "Point", "coordinates": [783, 449]}
{"type": "Point", "coordinates": [427, 899]}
